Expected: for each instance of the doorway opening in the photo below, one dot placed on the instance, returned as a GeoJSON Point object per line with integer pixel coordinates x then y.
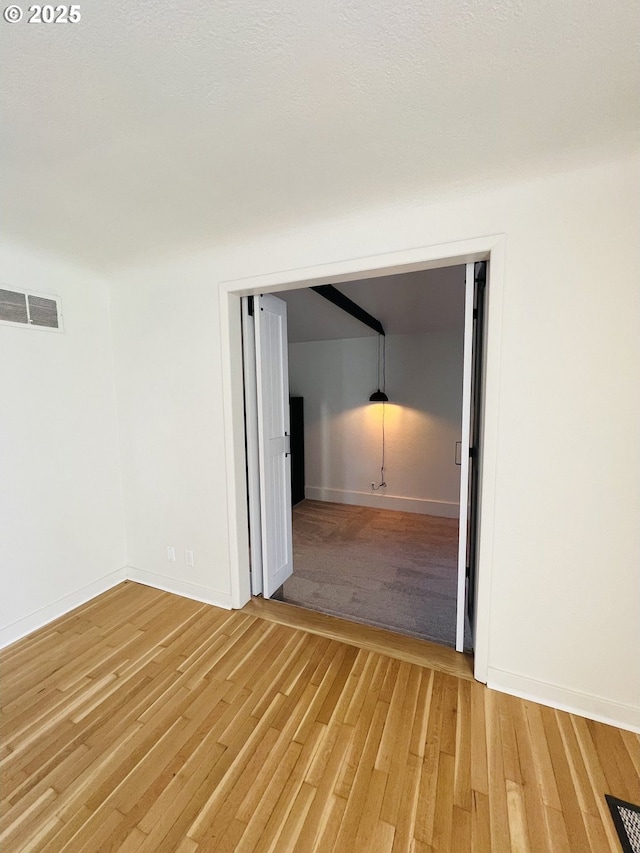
{"type": "Point", "coordinates": [378, 483]}
{"type": "Point", "coordinates": [377, 537]}
{"type": "Point", "coordinates": [489, 248]}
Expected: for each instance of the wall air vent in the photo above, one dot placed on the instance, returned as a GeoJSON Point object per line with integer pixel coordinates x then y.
{"type": "Point", "coordinates": [29, 309]}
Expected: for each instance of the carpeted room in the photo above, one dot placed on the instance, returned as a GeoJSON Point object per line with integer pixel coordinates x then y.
{"type": "Point", "coordinates": [387, 568]}
{"type": "Point", "coordinates": [375, 517]}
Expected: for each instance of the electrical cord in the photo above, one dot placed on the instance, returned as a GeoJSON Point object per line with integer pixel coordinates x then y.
{"type": "Point", "coordinates": [382, 482]}
{"type": "Point", "coordinates": [382, 341]}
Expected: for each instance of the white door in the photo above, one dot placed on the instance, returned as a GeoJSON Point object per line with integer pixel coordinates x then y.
{"type": "Point", "coordinates": [272, 373]}
{"type": "Point", "coordinates": [253, 453]}
{"type": "Point", "coordinates": [464, 459]}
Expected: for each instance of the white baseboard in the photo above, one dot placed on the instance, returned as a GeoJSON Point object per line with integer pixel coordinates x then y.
{"type": "Point", "coordinates": [180, 587]}
{"type": "Point", "coordinates": [39, 618]}
{"type": "Point", "coordinates": [564, 699]}
{"type": "Point", "coordinates": [379, 500]}
{"type": "Point", "coordinates": [19, 629]}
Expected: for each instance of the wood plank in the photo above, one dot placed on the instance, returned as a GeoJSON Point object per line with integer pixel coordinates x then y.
{"type": "Point", "coordinates": [498, 810]}
{"type": "Point", "coordinates": [360, 805]}
{"type": "Point", "coordinates": [443, 815]}
{"type": "Point", "coordinates": [573, 818]}
{"type": "Point", "coordinates": [462, 769]}
{"type": "Point", "coordinates": [540, 840]}
{"type": "Point", "coordinates": [480, 822]}
{"type": "Point", "coordinates": [595, 772]}
{"type": "Point", "coordinates": [423, 829]}
{"type": "Point", "coordinates": [396, 766]}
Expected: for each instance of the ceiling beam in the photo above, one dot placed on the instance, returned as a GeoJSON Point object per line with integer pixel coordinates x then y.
{"type": "Point", "coordinates": [337, 298]}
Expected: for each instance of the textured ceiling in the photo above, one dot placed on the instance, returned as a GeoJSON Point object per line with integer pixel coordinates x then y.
{"type": "Point", "coordinates": [407, 304]}
{"type": "Point", "coordinates": [150, 126]}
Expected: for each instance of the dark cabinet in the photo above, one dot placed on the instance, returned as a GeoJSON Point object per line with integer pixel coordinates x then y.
{"type": "Point", "coordinates": [296, 411]}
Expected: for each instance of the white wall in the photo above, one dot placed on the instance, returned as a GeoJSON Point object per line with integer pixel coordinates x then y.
{"type": "Point", "coordinates": [61, 512]}
{"type": "Point", "coordinates": [343, 432]}
{"type": "Point", "coordinates": [167, 353]}
{"type": "Point", "coordinates": [564, 599]}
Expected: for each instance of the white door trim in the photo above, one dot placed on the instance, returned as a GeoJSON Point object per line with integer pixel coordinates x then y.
{"type": "Point", "coordinates": [490, 248]}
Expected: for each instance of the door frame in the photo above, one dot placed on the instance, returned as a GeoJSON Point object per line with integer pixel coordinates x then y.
{"type": "Point", "coordinates": [463, 504]}
{"type": "Point", "coordinates": [488, 248]}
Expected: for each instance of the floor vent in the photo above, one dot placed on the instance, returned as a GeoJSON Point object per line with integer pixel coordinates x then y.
{"type": "Point", "coordinates": [626, 818]}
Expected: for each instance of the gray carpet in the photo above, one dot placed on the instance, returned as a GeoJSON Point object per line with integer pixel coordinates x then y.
{"type": "Point", "coordinates": [391, 569]}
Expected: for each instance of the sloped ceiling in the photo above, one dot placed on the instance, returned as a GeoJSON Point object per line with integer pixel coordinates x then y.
{"type": "Point", "coordinates": [153, 126]}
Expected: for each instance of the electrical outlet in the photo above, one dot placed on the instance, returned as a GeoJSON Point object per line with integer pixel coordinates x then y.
{"type": "Point", "coordinates": [188, 558]}
{"type": "Point", "coordinates": [171, 553]}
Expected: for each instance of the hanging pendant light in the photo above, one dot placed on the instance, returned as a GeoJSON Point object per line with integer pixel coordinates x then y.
{"type": "Point", "coordinates": [380, 396]}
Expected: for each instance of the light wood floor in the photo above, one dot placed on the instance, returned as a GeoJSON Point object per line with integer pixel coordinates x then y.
{"type": "Point", "coordinates": [147, 722]}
